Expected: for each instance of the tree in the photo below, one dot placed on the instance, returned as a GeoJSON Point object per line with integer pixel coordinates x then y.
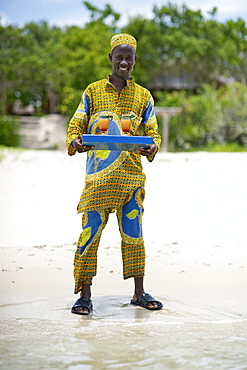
{"type": "Point", "coordinates": [235, 49]}
{"type": "Point", "coordinates": [86, 53]}
{"type": "Point", "coordinates": [100, 16]}
{"type": "Point", "coordinates": [41, 64]}
{"type": "Point", "coordinates": [11, 42]}
{"type": "Point", "coordinates": [30, 64]}
{"type": "Point", "coordinates": [180, 48]}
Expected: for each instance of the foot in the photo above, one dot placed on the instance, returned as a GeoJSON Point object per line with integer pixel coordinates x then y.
{"type": "Point", "coordinates": [139, 293]}
{"type": "Point", "coordinates": [151, 305]}
{"type": "Point", "coordinates": [145, 300]}
{"type": "Point", "coordinates": [83, 306]}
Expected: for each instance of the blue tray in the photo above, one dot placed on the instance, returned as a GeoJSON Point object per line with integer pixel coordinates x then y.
{"type": "Point", "coordinates": [117, 142]}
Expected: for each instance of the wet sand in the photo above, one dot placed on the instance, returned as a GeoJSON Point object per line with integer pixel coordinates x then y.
{"type": "Point", "coordinates": [195, 234]}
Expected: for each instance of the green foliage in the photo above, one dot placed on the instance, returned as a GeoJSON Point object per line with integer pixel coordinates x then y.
{"type": "Point", "coordinates": [70, 101]}
{"type": "Point", "coordinates": [9, 132]}
{"type": "Point", "coordinates": [233, 147]}
{"type": "Point", "coordinates": [178, 48]}
{"type": "Point", "coordinates": [180, 43]}
{"type": "Point", "coordinates": [86, 54]}
{"type": "Point", "coordinates": [234, 110]}
{"type": "Point", "coordinates": [98, 15]}
{"type": "Point", "coordinates": [30, 64]}
{"type": "Point", "coordinates": [212, 116]}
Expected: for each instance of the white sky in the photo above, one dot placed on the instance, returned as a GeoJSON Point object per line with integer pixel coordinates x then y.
{"type": "Point", "coordinates": [73, 12]}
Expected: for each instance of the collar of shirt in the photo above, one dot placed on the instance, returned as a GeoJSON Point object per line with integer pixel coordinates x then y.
{"type": "Point", "coordinates": [129, 82]}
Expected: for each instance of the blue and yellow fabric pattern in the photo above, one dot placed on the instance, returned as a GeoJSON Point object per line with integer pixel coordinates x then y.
{"type": "Point", "coordinates": [114, 180]}
{"type": "Point", "coordinates": [130, 226]}
{"type": "Point", "coordinates": [111, 173]}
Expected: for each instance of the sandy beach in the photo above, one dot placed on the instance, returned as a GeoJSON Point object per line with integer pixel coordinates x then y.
{"type": "Point", "coordinates": [195, 235]}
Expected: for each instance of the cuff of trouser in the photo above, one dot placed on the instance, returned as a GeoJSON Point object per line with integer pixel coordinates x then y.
{"type": "Point", "coordinates": [131, 275]}
{"type": "Point", "coordinates": [78, 287]}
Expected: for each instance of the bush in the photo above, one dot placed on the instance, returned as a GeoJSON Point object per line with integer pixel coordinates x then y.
{"type": "Point", "coordinates": [70, 101]}
{"type": "Point", "coordinates": [210, 117]}
{"type": "Point", "coordinates": [9, 132]}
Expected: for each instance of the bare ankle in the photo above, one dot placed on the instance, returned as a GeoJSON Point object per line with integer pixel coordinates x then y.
{"type": "Point", "coordinates": [86, 290]}
{"type": "Point", "coordinates": [139, 288]}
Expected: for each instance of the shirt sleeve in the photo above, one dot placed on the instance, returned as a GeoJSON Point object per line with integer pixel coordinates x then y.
{"type": "Point", "coordinates": [78, 124]}
{"type": "Point", "coordinates": [150, 125]}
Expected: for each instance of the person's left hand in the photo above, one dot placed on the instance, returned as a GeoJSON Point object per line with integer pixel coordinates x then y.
{"type": "Point", "coordinates": [147, 152]}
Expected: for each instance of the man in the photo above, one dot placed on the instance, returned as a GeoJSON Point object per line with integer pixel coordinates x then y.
{"type": "Point", "coordinates": [114, 179]}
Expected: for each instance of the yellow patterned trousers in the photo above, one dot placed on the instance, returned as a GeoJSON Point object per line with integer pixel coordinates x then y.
{"type": "Point", "coordinates": [132, 246]}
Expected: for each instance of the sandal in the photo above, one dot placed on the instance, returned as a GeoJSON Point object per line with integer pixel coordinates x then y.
{"type": "Point", "coordinates": [83, 303]}
{"type": "Point", "coordinates": [144, 300]}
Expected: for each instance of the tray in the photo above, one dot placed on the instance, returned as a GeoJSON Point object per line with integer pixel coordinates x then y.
{"type": "Point", "coordinates": [117, 142]}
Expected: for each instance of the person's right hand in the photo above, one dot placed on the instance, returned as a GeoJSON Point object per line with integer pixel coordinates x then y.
{"type": "Point", "coordinates": [79, 147]}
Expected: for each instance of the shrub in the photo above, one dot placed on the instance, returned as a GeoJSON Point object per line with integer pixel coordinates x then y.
{"type": "Point", "coordinates": [9, 131]}
{"type": "Point", "coordinates": [210, 117]}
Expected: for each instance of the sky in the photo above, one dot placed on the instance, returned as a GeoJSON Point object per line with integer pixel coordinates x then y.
{"type": "Point", "coordinates": [73, 12]}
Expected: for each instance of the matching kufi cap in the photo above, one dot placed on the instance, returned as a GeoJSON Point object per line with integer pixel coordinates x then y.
{"type": "Point", "coordinates": [123, 38]}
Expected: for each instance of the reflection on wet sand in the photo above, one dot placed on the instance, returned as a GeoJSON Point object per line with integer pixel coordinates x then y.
{"type": "Point", "coordinates": [190, 334]}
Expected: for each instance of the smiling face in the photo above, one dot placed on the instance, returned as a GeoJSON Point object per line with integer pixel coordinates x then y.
{"type": "Point", "coordinates": [123, 60]}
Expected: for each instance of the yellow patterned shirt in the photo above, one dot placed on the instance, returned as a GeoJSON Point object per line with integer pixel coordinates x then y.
{"type": "Point", "coordinates": [112, 176]}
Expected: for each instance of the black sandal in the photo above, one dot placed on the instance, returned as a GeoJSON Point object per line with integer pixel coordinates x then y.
{"type": "Point", "coordinates": [144, 300]}
{"type": "Point", "coordinates": [83, 303]}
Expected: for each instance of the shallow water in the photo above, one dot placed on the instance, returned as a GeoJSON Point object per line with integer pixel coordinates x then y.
{"type": "Point", "coordinates": [191, 332]}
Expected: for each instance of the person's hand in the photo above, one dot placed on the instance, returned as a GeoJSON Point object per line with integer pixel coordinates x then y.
{"type": "Point", "coordinates": [150, 151]}
{"type": "Point", "coordinates": [79, 147]}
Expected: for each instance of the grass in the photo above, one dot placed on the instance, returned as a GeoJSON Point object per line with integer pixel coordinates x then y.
{"type": "Point", "coordinates": [4, 149]}
{"type": "Point", "coordinates": [232, 148]}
